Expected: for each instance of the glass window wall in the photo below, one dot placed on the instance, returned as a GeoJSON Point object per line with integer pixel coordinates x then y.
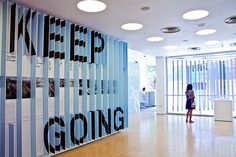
{"type": "Point", "coordinates": [212, 78]}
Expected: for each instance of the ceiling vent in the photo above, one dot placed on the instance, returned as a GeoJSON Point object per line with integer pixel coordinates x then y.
{"type": "Point", "coordinates": [194, 48]}
{"type": "Point", "coordinates": [171, 29]}
{"type": "Point", "coordinates": [145, 8]}
{"type": "Point", "coordinates": [231, 20]}
{"type": "Point", "coordinates": [232, 44]}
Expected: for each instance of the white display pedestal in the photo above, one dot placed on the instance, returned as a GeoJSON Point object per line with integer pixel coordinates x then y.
{"type": "Point", "coordinates": [223, 110]}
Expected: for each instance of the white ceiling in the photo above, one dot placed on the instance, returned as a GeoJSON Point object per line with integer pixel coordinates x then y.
{"type": "Point", "coordinates": [162, 13]}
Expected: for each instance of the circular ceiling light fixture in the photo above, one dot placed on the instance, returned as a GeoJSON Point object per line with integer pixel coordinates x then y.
{"type": "Point", "coordinates": [195, 14]}
{"type": "Point", "coordinates": [194, 48]}
{"type": "Point", "coordinates": [170, 47]}
{"type": "Point", "coordinates": [206, 32]}
{"type": "Point", "coordinates": [171, 29]}
{"type": "Point", "coordinates": [231, 20]}
{"type": "Point", "coordinates": [91, 6]}
{"type": "Point", "coordinates": [132, 26]}
{"type": "Point", "coordinates": [213, 44]}
{"type": "Point", "coordinates": [155, 39]}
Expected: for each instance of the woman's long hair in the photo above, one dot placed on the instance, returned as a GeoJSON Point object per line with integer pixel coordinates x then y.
{"type": "Point", "coordinates": [189, 87]}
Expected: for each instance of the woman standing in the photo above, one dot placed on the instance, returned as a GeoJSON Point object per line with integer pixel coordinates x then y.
{"type": "Point", "coordinates": [190, 98]}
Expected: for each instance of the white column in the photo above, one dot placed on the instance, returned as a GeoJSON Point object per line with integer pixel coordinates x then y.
{"type": "Point", "coordinates": [161, 85]}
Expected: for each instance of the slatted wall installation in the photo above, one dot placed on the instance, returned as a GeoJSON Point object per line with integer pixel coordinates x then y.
{"type": "Point", "coordinates": [62, 85]}
{"type": "Point", "coordinates": [212, 76]}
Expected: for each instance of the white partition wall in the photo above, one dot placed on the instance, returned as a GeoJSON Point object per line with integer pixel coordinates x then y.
{"type": "Point", "coordinates": [161, 85]}
{"type": "Point", "coordinates": [61, 84]}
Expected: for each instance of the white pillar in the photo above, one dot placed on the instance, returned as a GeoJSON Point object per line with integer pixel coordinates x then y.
{"type": "Point", "coordinates": [161, 85]}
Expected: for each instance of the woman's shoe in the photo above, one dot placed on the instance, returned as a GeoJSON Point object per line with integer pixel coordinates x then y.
{"type": "Point", "coordinates": [186, 121]}
{"type": "Point", "coordinates": [191, 121]}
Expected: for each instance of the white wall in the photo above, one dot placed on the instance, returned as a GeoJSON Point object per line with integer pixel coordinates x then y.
{"type": "Point", "coordinates": [143, 60]}
{"type": "Point", "coordinates": [137, 76]}
{"type": "Point", "coordinates": [161, 85]}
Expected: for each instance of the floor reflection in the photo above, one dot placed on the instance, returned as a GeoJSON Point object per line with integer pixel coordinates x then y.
{"type": "Point", "coordinates": [224, 128]}
{"type": "Point", "coordinates": [152, 135]}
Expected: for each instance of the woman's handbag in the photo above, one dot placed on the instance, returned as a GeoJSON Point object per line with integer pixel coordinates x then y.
{"type": "Point", "coordinates": [193, 106]}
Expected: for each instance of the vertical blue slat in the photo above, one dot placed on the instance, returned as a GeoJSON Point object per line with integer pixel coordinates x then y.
{"type": "Point", "coordinates": [45, 89]}
{"type": "Point", "coordinates": [111, 79]}
{"type": "Point", "coordinates": [173, 84]}
{"type": "Point", "coordinates": [90, 106]}
{"type": "Point", "coordinates": [57, 79]}
{"type": "Point", "coordinates": [3, 78]}
{"type": "Point", "coordinates": [208, 84]}
{"type": "Point", "coordinates": [116, 78]}
{"type": "Point", "coordinates": [182, 84]}
{"type": "Point", "coordinates": [67, 85]}
{"type": "Point", "coordinates": [177, 80]}
{"type": "Point", "coordinates": [125, 70]}
{"type": "Point", "coordinates": [11, 140]}
{"type": "Point", "coordinates": [26, 27]}
{"type": "Point", "coordinates": [105, 73]}
{"type": "Point", "coordinates": [105, 80]}
{"type": "Point", "coordinates": [33, 29]}
{"type": "Point", "coordinates": [98, 80]}
{"type": "Point", "coordinates": [121, 77]}
{"type": "Point", "coordinates": [52, 31]}
{"type": "Point", "coordinates": [84, 79]}
{"type": "Point", "coordinates": [224, 70]}
{"type": "Point", "coordinates": [98, 85]}
{"type": "Point", "coordinates": [40, 35]}
{"type": "Point", "coordinates": [203, 81]}
{"type": "Point", "coordinates": [92, 88]}
{"type": "Point", "coordinates": [96, 101]}
{"type": "Point", "coordinates": [19, 90]}
{"type": "Point", "coordinates": [190, 72]}
{"type": "Point", "coordinates": [76, 83]}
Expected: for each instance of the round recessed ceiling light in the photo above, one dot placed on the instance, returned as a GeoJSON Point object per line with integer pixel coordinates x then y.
{"type": "Point", "coordinates": [171, 29]}
{"type": "Point", "coordinates": [132, 26]}
{"type": "Point", "coordinates": [155, 39]}
{"type": "Point", "coordinates": [231, 20]}
{"type": "Point", "coordinates": [91, 5]}
{"type": "Point", "coordinates": [206, 31]}
{"type": "Point", "coordinates": [195, 14]}
{"type": "Point", "coordinates": [213, 44]}
{"type": "Point", "coordinates": [170, 47]}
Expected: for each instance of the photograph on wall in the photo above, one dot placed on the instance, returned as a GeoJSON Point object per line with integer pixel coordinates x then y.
{"type": "Point", "coordinates": [62, 82]}
{"type": "Point", "coordinates": [51, 87]}
{"type": "Point", "coordinates": [26, 85]}
{"type": "Point", "coordinates": [39, 82]}
{"type": "Point", "coordinates": [10, 87]}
